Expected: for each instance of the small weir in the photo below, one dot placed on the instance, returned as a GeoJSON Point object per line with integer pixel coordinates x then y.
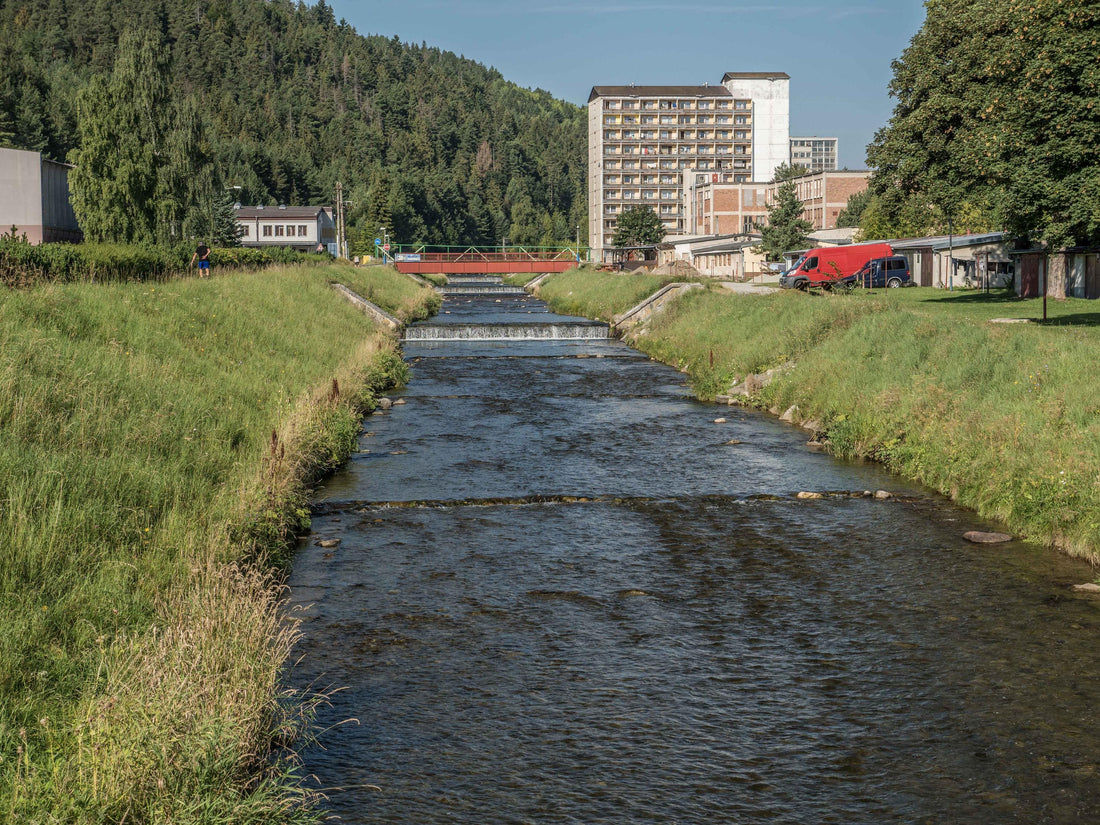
{"type": "Point", "coordinates": [551, 587]}
{"type": "Point", "coordinates": [503, 319]}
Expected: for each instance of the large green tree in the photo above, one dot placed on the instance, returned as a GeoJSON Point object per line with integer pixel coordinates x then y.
{"type": "Point", "coordinates": [120, 121]}
{"type": "Point", "coordinates": [997, 122]}
{"type": "Point", "coordinates": [638, 226]}
{"type": "Point", "coordinates": [786, 229]}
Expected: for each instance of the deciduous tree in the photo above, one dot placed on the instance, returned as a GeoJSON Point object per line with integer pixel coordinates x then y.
{"type": "Point", "coordinates": [638, 226]}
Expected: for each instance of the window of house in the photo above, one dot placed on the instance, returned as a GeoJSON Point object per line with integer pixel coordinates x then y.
{"type": "Point", "coordinates": [278, 230]}
{"type": "Point", "coordinates": [303, 230]}
{"type": "Point", "coordinates": [267, 231]}
{"type": "Point", "coordinates": [244, 230]}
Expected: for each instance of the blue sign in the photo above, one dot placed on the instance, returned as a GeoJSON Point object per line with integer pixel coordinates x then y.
{"type": "Point", "coordinates": [377, 241]}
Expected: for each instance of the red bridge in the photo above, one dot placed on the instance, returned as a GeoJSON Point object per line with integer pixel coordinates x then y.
{"type": "Point", "coordinates": [495, 260]}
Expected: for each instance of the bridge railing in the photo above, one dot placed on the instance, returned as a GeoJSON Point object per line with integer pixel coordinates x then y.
{"type": "Point", "coordinates": [457, 254]}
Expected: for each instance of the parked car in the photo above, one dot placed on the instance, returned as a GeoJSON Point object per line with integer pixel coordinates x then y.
{"type": "Point", "coordinates": [892, 271]}
{"type": "Point", "coordinates": [829, 266]}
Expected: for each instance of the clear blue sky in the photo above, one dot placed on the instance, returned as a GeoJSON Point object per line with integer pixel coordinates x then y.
{"type": "Point", "coordinates": [837, 52]}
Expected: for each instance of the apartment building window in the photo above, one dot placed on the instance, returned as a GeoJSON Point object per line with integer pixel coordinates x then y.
{"type": "Point", "coordinates": [611, 164]}
{"type": "Point", "coordinates": [705, 119]}
{"type": "Point", "coordinates": [611, 150]}
{"type": "Point", "coordinates": [611, 104]}
{"type": "Point", "coordinates": [741, 120]}
{"type": "Point", "coordinates": [630, 119]}
{"type": "Point", "coordinates": [647, 119]}
{"type": "Point", "coordinates": [267, 231]}
{"type": "Point", "coordinates": [278, 230]}
{"type": "Point", "coordinates": [630, 164]}
{"type": "Point", "coordinates": [667, 120]}
{"type": "Point", "coordinates": [704, 164]}
{"type": "Point", "coordinates": [740, 178]}
{"type": "Point", "coordinates": [649, 104]}
{"type": "Point", "coordinates": [723, 104]}
{"type": "Point", "coordinates": [741, 104]}
{"type": "Point", "coordinates": [303, 230]}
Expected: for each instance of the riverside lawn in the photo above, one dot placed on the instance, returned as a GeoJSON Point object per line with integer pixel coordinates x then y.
{"type": "Point", "coordinates": [157, 445]}
{"type": "Point", "coordinates": [1003, 418]}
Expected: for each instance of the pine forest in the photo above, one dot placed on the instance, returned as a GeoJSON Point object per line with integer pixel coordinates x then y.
{"type": "Point", "coordinates": [200, 103]}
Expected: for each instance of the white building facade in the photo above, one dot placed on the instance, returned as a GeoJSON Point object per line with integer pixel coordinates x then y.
{"type": "Point", "coordinates": [647, 143]}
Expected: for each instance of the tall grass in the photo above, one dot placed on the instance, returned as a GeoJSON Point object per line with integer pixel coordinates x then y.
{"type": "Point", "coordinates": [157, 442]}
{"type": "Point", "coordinates": [1005, 419]}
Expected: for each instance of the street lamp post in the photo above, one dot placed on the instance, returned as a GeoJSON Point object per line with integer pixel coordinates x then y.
{"type": "Point", "coordinates": [578, 244]}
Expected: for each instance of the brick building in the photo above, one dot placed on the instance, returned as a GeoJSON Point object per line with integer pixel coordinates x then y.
{"type": "Point", "coordinates": [712, 207]}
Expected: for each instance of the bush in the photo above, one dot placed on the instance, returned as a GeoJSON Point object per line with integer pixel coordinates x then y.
{"type": "Point", "coordinates": [23, 263]}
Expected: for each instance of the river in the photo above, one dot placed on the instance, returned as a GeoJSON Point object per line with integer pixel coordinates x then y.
{"type": "Point", "coordinates": [563, 593]}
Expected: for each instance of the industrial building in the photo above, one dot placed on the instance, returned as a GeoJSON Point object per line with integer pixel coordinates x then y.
{"type": "Point", "coordinates": [34, 198]}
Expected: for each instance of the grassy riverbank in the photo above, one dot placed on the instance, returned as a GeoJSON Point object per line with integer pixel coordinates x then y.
{"type": "Point", "coordinates": [1003, 418]}
{"type": "Point", "coordinates": [600, 295]}
{"type": "Point", "coordinates": [157, 445]}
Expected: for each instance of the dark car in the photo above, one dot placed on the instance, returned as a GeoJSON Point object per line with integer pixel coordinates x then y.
{"type": "Point", "coordinates": [889, 272]}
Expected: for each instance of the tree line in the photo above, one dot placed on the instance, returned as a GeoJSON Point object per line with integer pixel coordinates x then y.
{"type": "Point", "coordinates": [173, 109]}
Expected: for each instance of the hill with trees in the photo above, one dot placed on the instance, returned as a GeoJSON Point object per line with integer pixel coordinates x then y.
{"type": "Point", "coordinates": [273, 101]}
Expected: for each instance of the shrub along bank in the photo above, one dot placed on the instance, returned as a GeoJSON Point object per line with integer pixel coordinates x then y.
{"type": "Point", "coordinates": [157, 446]}
{"type": "Point", "coordinates": [1005, 419]}
{"type": "Point", "coordinates": [23, 263]}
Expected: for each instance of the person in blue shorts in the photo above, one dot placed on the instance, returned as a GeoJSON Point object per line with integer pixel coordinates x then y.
{"type": "Point", "coordinates": [202, 255]}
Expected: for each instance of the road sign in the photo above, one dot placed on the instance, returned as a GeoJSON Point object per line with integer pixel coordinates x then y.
{"type": "Point", "coordinates": [377, 241]}
{"type": "Point", "coordinates": [386, 247]}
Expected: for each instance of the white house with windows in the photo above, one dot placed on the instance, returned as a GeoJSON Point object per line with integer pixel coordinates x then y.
{"type": "Point", "coordinates": [299, 227]}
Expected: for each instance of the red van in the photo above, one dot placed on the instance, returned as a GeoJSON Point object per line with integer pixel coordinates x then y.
{"type": "Point", "coordinates": [826, 265]}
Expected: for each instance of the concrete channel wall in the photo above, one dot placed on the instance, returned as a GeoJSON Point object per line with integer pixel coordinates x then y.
{"type": "Point", "coordinates": [370, 309]}
{"type": "Point", "coordinates": [655, 303]}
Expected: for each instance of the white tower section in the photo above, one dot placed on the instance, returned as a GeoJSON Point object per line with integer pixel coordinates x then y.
{"type": "Point", "coordinates": [771, 117]}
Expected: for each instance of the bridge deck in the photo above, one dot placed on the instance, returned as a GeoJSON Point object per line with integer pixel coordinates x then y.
{"type": "Point", "coordinates": [475, 262]}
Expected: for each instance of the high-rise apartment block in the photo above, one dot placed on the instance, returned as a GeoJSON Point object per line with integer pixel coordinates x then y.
{"type": "Point", "coordinates": [817, 154]}
{"type": "Point", "coordinates": [645, 143]}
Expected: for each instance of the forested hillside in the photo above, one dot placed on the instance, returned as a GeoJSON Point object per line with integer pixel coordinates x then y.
{"type": "Point", "coordinates": [282, 100]}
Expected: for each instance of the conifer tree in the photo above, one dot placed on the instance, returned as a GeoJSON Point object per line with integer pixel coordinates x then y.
{"type": "Point", "coordinates": [786, 229]}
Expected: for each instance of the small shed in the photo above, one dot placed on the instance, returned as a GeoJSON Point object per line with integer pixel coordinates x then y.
{"type": "Point", "coordinates": [972, 261]}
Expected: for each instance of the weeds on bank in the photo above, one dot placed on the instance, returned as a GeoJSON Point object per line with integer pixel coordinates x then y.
{"type": "Point", "coordinates": [142, 495]}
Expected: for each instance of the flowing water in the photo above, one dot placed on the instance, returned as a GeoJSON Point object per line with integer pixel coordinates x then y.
{"type": "Point", "coordinates": [563, 593]}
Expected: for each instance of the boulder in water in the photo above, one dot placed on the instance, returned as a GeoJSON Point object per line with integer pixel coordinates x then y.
{"type": "Point", "coordinates": [979, 537]}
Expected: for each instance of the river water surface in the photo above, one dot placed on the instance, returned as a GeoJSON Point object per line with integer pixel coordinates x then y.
{"type": "Point", "coordinates": [562, 593]}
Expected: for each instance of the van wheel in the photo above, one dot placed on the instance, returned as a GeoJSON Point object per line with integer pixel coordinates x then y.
{"type": "Point", "coordinates": [801, 286]}
{"type": "Point", "coordinates": [894, 283]}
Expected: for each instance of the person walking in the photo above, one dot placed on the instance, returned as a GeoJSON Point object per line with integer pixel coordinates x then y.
{"type": "Point", "coordinates": [202, 255]}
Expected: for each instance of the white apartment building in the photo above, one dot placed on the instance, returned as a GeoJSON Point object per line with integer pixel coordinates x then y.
{"type": "Point", "coordinates": [817, 154]}
{"type": "Point", "coordinates": [645, 142]}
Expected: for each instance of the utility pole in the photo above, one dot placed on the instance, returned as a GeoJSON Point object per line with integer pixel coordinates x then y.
{"type": "Point", "coordinates": [340, 251]}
